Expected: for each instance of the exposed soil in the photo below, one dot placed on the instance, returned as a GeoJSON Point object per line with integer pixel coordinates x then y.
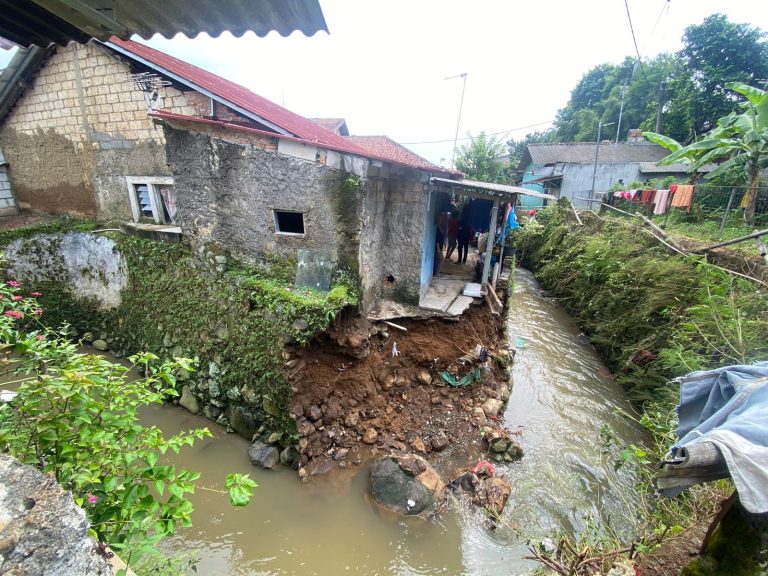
{"type": "Point", "coordinates": [354, 400]}
{"type": "Point", "coordinates": [675, 554]}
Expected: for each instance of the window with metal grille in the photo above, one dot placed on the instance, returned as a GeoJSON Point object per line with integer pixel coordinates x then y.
{"type": "Point", "coordinates": [287, 222]}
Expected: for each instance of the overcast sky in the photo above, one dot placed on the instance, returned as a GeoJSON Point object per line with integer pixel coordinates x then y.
{"type": "Point", "coordinates": [384, 64]}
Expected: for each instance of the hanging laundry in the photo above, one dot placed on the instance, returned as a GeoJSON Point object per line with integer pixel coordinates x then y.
{"type": "Point", "coordinates": [618, 194]}
{"type": "Point", "coordinates": [660, 201]}
{"type": "Point", "coordinates": [630, 194]}
{"type": "Point", "coordinates": [646, 197]}
{"type": "Point", "coordinates": [672, 188]}
{"type": "Point", "coordinates": [683, 197]}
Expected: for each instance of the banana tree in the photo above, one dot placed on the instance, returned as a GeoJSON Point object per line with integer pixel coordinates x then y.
{"type": "Point", "coordinates": [739, 142]}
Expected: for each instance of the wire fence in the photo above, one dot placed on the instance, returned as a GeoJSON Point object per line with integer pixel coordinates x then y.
{"type": "Point", "coordinates": [716, 209]}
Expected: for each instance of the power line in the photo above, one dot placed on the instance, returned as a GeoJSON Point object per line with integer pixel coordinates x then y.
{"type": "Point", "coordinates": [470, 137]}
{"type": "Point", "coordinates": [637, 50]}
{"type": "Point", "coordinates": [653, 30]}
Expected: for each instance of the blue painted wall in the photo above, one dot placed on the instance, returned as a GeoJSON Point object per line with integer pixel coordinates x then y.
{"type": "Point", "coordinates": [528, 175]}
{"type": "Point", "coordinates": [430, 237]}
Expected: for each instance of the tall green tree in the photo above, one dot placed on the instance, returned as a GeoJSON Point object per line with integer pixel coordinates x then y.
{"type": "Point", "coordinates": [517, 148]}
{"type": "Point", "coordinates": [714, 53]}
{"type": "Point", "coordinates": [598, 98]}
{"type": "Point", "coordinates": [740, 141]}
{"type": "Point", "coordinates": [480, 159]}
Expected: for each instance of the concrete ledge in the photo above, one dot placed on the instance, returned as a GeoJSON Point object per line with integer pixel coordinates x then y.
{"type": "Point", "coordinates": [159, 232]}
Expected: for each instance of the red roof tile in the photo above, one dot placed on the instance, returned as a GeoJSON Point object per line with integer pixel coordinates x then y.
{"type": "Point", "coordinates": [238, 95]}
{"type": "Point", "coordinates": [377, 147]}
{"type": "Point", "coordinates": [385, 147]}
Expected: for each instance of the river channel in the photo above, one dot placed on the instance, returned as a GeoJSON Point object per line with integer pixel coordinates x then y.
{"type": "Point", "coordinates": [562, 395]}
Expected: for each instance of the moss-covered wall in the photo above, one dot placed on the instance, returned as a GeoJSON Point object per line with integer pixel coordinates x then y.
{"type": "Point", "coordinates": [235, 324]}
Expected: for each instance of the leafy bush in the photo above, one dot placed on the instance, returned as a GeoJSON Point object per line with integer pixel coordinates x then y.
{"type": "Point", "coordinates": [75, 416]}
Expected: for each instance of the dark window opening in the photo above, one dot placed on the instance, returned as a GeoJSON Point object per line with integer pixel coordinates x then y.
{"type": "Point", "coordinates": [289, 222]}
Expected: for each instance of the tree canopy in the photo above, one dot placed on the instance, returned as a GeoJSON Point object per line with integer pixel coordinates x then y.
{"type": "Point", "coordinates": [480, 159]}
{"type": "Point", "coordinates": [691, 83]}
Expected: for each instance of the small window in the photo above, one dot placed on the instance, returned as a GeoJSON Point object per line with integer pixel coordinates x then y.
{"type": "Point", "coordinates": [152, 199]}
{"type": "Point", "coordinates": [289, 222]}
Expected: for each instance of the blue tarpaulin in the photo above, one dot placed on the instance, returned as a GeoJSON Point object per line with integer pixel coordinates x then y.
{"type": "Point", "coordinates": [729, 408]}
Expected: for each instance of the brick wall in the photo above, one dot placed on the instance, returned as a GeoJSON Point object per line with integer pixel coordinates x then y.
{"type": "Point", "coordinates": [79, 129]}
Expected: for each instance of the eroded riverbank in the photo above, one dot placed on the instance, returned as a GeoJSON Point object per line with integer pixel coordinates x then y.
{"type": "Point", "coordinates": [561, 393]}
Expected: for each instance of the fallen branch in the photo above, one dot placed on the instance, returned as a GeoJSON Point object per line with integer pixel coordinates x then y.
{"type": "Point", "coordinates": [577, 216]}
{"type": "Point", "coordinates": [729, 242]}
{"type": "Point", "coordinates": [679, 251]}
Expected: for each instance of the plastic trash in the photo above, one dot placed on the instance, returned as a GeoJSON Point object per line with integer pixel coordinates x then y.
{"type": "Point", "coordinates": [394, 350]}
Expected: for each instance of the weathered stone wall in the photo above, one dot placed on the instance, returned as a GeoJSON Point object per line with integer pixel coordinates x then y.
{"type": "Point", "coordinates": [227, 194]}
{"type": "Point", "coordinates": [79, 129]}
{"type": "Point", "coordinates": [84, 264]}
{"type": "Point", "coordinates": [394, 212]}
{"type": "Point", "coordinates": [42, 531]}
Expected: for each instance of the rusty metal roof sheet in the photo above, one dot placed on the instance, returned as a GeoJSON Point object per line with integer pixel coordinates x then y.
{"type": "Point", "coordinates": [42, 22]}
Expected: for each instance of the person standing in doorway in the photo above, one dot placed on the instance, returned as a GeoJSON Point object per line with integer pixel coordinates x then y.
{"type": "Point", "coordinates": [465, 232]}
{"type": "Point", "coordinates": [453, 233]}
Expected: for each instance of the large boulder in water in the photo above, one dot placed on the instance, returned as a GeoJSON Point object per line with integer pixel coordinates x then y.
{"type": "Point", "coordinates": [406, 484]}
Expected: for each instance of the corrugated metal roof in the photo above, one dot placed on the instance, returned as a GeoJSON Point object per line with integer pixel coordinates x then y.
{"type": "Point", "coordinates": [42, 22]}
{"type": "Point", "coordinates": [234, 95]}
{"type": "Point", "coordinates": [584, 152]}
{"type": "Point", "coordinates": [15, 77]}
{"type": "Point", "coordinates": [500, 191]}
{"type": "Point", "coordinates": [383, 146]}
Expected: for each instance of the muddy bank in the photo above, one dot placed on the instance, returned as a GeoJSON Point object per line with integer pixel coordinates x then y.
{"type": "Point", "coordinates": [350, 409]}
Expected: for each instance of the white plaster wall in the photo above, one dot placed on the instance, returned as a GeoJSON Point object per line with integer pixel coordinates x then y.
{"type": "Point", "coordinates": [89, 266]}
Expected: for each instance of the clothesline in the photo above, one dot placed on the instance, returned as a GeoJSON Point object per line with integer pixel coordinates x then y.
{"type": "Point", "coordinates": [678, 195]}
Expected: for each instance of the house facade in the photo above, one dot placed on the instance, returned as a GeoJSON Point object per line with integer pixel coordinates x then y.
{"type": "Point", "coordinates": [119, 131]}
{"type": "Point", "coordinates": [566, 170]}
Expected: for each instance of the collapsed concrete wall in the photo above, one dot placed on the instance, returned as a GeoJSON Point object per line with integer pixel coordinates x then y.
{"type": "Point", "coordinates": [42, 530]}
{"type": "Point", "coordinates": [392, 241]}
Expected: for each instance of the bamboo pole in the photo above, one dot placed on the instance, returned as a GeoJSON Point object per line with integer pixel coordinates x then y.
{"type": "Point", "coordinates": [577, 215]}
{"type": "Point", "coordinates": [729, 242]}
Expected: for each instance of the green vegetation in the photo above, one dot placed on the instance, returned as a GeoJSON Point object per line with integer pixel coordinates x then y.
{"type": "Point", "coordinates": [76, 417]}
{"type": "Point", "coordinates": [479, 159]}
{"type": "Point", "coordinates": [233, 324]}
{"type": "Point", "coordinates": [653, 316]}
{"type": "Point", "coordinates": [740, 141]}
{"type": "Point", "coordinates": [691, 84]}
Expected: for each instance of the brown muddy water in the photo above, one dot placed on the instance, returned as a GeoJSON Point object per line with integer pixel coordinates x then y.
{"type": "Point", "coordinates": [562, 394]}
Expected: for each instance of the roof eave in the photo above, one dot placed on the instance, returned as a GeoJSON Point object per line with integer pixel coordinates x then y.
{"type": "Point", "coordinates": [170, 116]}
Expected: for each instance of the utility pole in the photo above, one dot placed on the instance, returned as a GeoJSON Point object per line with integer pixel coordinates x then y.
{"type": "Point", "coordinates": [463, 76]}
{"type": "Point", "coordinates": [624, 89]}
{"type": "Point", "coordinates": [662, 92]}
{"type": "Point", "coordinates": [597, 153]}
